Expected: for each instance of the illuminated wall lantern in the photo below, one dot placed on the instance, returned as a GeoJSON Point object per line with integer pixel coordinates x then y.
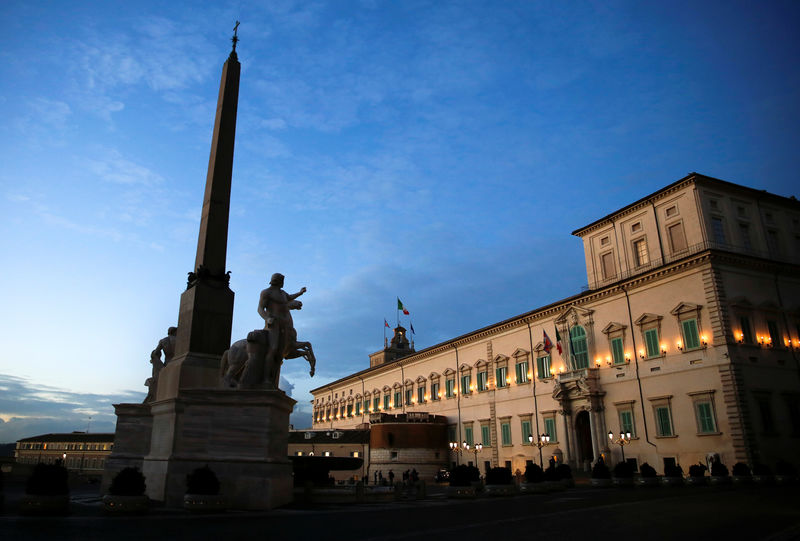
{"type": "Point", "coordinates": [627, 357]}
{"type": "Point", "coordinates": [597, 363]}
{"type": "Point", "coordinates": [641, 354]}
{"type": "Point", "coordinates": [680, 345]}
{"type": "Point", "coordinates": [703, 341]}
{"type": "Point", "coordinates": [663, 349]}
{"type": "Point", "coordinates": [740, 337]}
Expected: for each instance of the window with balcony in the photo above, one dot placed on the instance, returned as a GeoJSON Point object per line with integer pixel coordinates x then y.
{"type": "Point", "coordinates": [580, 351]}
{"type": "Point", "coordinates": [640, 255]}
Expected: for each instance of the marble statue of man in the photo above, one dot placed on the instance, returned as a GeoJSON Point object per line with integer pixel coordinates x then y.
{"type": "Point", "coordinates": [273, 306]}
{"type": "Point", "coordinates": [167, 346]}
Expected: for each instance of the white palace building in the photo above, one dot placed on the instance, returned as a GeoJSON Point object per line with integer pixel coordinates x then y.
{"type": "Point", "coordinates": [688, 338]}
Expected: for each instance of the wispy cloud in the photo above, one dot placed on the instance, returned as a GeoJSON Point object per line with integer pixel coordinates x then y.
{"type": "Point", "coordinates": [28, 409]}
{"type": "Point", "coordinates": [114, 168]}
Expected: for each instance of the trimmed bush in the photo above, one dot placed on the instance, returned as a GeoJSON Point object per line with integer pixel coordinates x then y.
{"type": "Point", "coordinates": [499, 476]}
{"type": "Point", "coordinates": [464, 476]}
{"type": "Point", "coordinates": [564, 471]}
{"type": "Point", "coordinates": [718, 469]}
{"type": "Point", "coordinates": [673, 470]}
{"type": "Point", "coordinates": [551, 473]}
{"type": "Point", "coordinates": [128, 482]}
{"type": "Point", "coordinates": [47, 480]}
{"type": "Point", "coordinates": [740, 469]}
{"type": "Point", "coordinates": [646, 470]}
{"type": "Point", "coordinates": [697, 470]}
{"type": "Point", "coordinates": [761, 469]}
{"type": "Point", "coordinates": [784, 468]}
{"type": "Point", "coordinates": [600, 470]}
{"type": "Point", "coordinates": [202, 481]}
{"type": "Point", "coordinates": [623, 470]}
{"type": "Point", "coordinates": [534, 473]}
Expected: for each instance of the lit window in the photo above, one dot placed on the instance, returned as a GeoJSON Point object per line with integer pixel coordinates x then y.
{"type": "Point", "coordinates": [522, 372]}
{"type": "Point", "coordinates": [500, 373]}
{"type": "Point", "coordinates": [543, 366]}
{"type": "Point", "coordinates": [483, 377]}
{"type": "Point", "coordinates": [450, 387]}
{"type": "Point", "coordinates": [421, 394]}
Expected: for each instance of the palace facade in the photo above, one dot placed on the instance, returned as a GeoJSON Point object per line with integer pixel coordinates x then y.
{"type": "Point", "coordinates": [687, 337]}
{"type": "Point", "coordinates": [77, 451]}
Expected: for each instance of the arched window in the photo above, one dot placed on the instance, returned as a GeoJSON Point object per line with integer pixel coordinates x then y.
{"type": "Point", "coordinates": [580, 353]}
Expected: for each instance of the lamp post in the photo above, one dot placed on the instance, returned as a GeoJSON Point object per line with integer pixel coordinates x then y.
{"type": "Point", "coordinates": [457, 449]}
{"type": "Point", "coordinates": [623, 440]}
{"type": "Point", "coordinates": [544, 439]}
{"type": "Point", "coordinates": [476, 449]}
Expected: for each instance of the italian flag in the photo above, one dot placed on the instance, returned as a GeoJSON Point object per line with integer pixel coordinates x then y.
{"type": "Point", "coordinates": [401, 307]}
{"type": "Point", "coordinates": [558, 342]}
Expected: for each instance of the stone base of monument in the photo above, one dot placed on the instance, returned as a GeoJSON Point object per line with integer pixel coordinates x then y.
{"type": "Point", "coordinates": [131, 441]}
{"type": "Point", "coordinates": [242, 435]}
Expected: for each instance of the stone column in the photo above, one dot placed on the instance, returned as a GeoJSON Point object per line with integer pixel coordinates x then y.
{"type": "Point", "coordinates": [568, 440]}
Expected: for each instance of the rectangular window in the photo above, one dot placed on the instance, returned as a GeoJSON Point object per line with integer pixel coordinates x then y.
{"type": "Point", "coordinates": [349, 410]}
{"type": "Point", "coordinates": [358, 407]}
{"type": "Point", "coordinates": [398, 399]}
{"type": "Point", "coordinates": [505, 431]}
{"type": "Point", "coordinates": [376, 404]}
{"type": "Point", "coordinates": [466, 381]}
{"type": "Point", "coordinates": [747, 330]}
{"type": "Point", "coordinates": [366, 405]}
{"type": "Point", "coordinates": [483, 377]}
{"type": "Point", "coordinates": [663, 421]}
{"type": "Point", "coordinates": [651, 342]}
{"type": "Point", "coordinates": [640, 252]}
{"type": "Point", "coordinates": [772, 242]}
{"type": "Point", "coordinates": [744, 232]}
{"type": "Point", "coordinates": [468, 435]}
{"type": "Point", "coordinates": [543, 366]}
{"type": "Point", "coordinates": [718, 229]}
{"type": "Point", "coordinates": [677, 239]}
{"type": "Point", "coordinates": [526, 431]}
{"type": "Point", "coordinates": [435, 391]}
{"type": "Point", "coordinates": [387, 401]}
{"type": "Point", "coordinates": [409, 396]}
{"type": "Point", "coordinates": [617, 351]}
{"type": "Point", "coordinates": [451, 433]}
{"type": "Point", "coordinates": [774, 337]}
{"type": "Point", "coordinates": [706, 423]}
{"type": "Point", "coordinates": [449, 387]}
{"type": "Point", "coordinates": [500, 373]}
{"type": "Point", "coordinates": [486, 436]}
{"type": "Point", "coordinates": [607, 265]}
{"type": "Point", "coordinates": [763, 401]}
{"type": "Point", "coordinates": [550, 428]}
{"type": "Point", "coordinates": [691, 338]}
{"type": "Point", "coordinates": [522, 372]}
{"type": "Point", "coordinates": [421, 394]}
{"type": "Point", "coordinates": [626, 422]}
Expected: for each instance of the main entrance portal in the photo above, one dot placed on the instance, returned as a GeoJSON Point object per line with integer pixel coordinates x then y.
{"type": "Point", "coordinates": [583, 437]}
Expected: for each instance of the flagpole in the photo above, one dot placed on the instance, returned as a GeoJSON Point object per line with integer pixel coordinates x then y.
{"type": "Point", "coordinates": [397, 312]}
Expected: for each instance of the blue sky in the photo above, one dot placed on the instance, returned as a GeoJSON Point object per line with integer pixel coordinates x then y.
{"type": "Point", "coordinates": [437, 151]}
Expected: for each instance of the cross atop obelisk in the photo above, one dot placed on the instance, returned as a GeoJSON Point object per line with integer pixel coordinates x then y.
{"type": "Point", "coordinates": [206, 312]}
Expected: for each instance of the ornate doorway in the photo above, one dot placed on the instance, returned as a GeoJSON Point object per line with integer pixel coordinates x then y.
{"type": "Point", "coordinates": [583, 437]}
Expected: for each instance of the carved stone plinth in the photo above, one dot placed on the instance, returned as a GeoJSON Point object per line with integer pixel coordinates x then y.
{"type": "Point", "coordinates": [131, 441]}
{"type": "Point", "coordinates": [242, 435]}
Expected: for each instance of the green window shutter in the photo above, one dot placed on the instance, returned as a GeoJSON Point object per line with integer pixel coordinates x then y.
{"type": "Point", "coordinates": [691, 338]}
{"type": "Point", "coordinates": [398, 398]}
{"type": "Point", "coordinates": [386, 401]}
{"type": "Point", "coordinates": [617, 351]}
{"type": "Point", "coordinates": [420, 395]}
{"type": "Point", "coordinates": [486, 436]}
{"type": "Point", "coordinates": [580, 352]}
{"type": "Point", "coordinates": [358, 407]}
{"type": "Point", "coordinates": [550, 428]}
{"type": "Point", "coordinates": [500, 374]}
{"type": "Point", "coordinates": [626, 422]}
{"type": "Point", "coordinates": [468, 435]}
{"type": "Point", "coordinates": [651, 341]}
{"type": "Point", "coordinates": [449, 386]}
{"type": "Point", "coordinates": [376, 404]}
{"type": "Point", "coordinates": [526, 431]}
{"type": "Point", "coordinates": [664, 423]}
{"type": "Point", "coordinates": [522, 372]}
{"type": "Point", "coordinates": [434, 391]}
{"type": "Point", "coordinates": [465, 381]}
{"type": "Point", "coordinates": [543, 366]}
{"type": "Point", "coordinates": [705, 418]}
{"type": "Point", "coordinates": [505, 429]}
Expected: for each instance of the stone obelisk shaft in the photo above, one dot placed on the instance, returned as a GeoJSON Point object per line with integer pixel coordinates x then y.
{"type": "Point", "coordinates": [206, 312]}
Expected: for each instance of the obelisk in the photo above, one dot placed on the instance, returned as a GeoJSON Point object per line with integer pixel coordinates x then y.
{"type": "Point", "coordinates": [206, 309]}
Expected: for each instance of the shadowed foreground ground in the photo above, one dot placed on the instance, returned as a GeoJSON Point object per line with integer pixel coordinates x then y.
{"type": "Point", "coordinates": [581, 513]}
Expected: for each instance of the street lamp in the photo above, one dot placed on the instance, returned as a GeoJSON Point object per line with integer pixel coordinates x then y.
{"type": "Point", "coordinates": [457, 449]}
{"type": "Point", "coordinates": [623, 440]}
{"type": "Point", "coordinates": [476, 450]}
{"type": "Point", "coordinates": [544, 439]}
